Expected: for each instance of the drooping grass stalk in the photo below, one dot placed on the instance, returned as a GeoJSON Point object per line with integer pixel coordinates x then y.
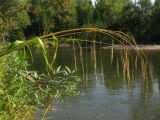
{"type": "Point", "coordinates": [112, 54]}
{"type": "Point", "coordinates": [82, 62]}
{"type": "Point", "coordinates": [86, 67]}
{"type": "Point", "coordinates": [118, 70]}
{"type": "Point", "coordinates": [75, 58]}
{"type": "Point", "coordinates": [119, 36]}
{"type": "Point", "coordinates": [94, 59]}
{"type": "Point", "coordinates": [102, 70]}
{"type": "Point", "coordinates": [54, 39]}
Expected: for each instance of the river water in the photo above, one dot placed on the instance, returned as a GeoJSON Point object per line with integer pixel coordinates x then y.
{"type": "Point", "coordinates": [105, 94]}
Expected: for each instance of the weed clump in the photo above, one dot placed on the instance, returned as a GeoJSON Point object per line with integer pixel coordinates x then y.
{"type": "Point", "coordinates": [23, 91]}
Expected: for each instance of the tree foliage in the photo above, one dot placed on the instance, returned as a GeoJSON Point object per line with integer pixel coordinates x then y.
{"type": "Point", "coordinates": [20, 19]}
{"type": "Point", "coordinates": [13, 16]}
{"type": "Point", "coordinates": [85, 11]}
{"type": "Point", "coordinates": [109, 11]}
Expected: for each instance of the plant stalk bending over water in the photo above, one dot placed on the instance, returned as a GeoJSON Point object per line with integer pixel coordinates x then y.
{"type": "Point", "coordinates": [63, 83]}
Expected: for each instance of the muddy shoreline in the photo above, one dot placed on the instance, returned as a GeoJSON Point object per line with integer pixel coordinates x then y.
{"type": "Point", "coordinates": [144, 47]}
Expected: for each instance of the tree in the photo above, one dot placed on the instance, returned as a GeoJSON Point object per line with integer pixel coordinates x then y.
{"type": "Point", "coordinates": [13, 17]}
{"type": "Point", "coordinates": [62, 11]}
{"type": "Point", "coordinates": [145, 6]}
{"type": "Point", "coordinates": [145, 32]}
{"type": "Point", "coordinates": [131, 19]}
{"type": "Point", "coordinates": [137, 19]}
{"type": "Point", "coordinates": [84, 12]}
{"type": "Point", "coordinates": [155, 23]}
{"type": "Point", "coordinates": [50, 15]}
{"type": "Point", "coordinates": [109, 11]}
{"type": "Point", "coordinates": [157, 4]}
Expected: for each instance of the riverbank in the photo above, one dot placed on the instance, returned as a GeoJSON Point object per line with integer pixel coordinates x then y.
{"type": "Point", "coordinates": [143, 47]}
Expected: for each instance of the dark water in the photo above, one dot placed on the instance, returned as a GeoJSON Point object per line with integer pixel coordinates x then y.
{"type": "Point", "coordinates": [105, 93]}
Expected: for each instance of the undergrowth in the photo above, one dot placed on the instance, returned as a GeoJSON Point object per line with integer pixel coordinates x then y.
{"type": "Point", "coordinates": [22, 91]}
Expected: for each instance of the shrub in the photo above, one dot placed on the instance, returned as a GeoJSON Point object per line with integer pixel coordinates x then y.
{"type": "Point", "coordinates": [23, 91]}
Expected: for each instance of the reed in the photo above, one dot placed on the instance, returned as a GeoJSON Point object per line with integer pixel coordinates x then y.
{"type": "Point", "coordinates": [54, 39]}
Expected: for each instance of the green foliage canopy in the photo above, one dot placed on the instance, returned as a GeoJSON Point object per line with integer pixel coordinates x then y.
{"type": "Point", "coordinates": [21, 19]}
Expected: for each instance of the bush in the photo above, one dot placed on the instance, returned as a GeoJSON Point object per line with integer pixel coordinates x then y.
{"type": "Point", "coordinates": [23, 91]}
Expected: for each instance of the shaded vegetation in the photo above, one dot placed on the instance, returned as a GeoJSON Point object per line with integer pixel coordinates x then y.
{"type": "Point", "coordinates": [25, 19]}
{"type": "Point", "coordinates": [23, 91]}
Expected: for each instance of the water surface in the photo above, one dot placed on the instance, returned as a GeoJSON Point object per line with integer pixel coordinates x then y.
{"type": "Point", "coordinates": [104, 92]}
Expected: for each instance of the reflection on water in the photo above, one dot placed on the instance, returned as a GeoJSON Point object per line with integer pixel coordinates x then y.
{"type": "Point", "coordinates": [105, 93]}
